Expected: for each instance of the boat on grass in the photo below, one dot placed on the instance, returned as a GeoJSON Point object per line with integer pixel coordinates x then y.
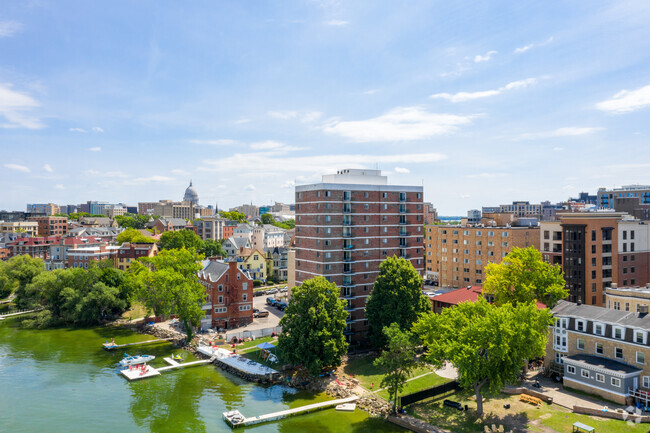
{"type": "Point", "coordinates": [177, 357]}
{"type": "Point", "coordinates": [135, 359]}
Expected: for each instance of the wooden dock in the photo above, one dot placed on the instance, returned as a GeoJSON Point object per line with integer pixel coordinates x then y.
{"type": "Point", "coordinates": [18, 313]}
{"type": "Point", "coordinates": [136, 374]}
{"type": "Point", "coordinates": [111, 346]}
{"type": "Point", "coordinates": [235, 419]}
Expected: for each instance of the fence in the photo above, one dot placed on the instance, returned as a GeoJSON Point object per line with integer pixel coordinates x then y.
{"type": "Point", "coordinates": [255, 333]}
{"type": "Point", "coordinates": [428, 393]}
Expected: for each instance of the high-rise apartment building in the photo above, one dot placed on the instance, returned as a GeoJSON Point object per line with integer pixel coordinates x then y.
{"type": "Point", "coordinates": [44, 208]}
{"type": "Point", "coordinates": [456, 256]}
{"type": "Point", "coordinates": [347, 225]}
{"type": "Point", "coordinates": [596, 250]}
{"type": "Point", "coordinates": [606, 196]}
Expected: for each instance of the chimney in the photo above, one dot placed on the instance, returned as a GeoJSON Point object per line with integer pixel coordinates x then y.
{"type": "Point", "coordinates": [642, 310]}
{"type": "Point", "coordinates": [579, 301]}
{"type": "Point", "coordinates": [614, 285]}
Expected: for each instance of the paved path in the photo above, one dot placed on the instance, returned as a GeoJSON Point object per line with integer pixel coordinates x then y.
{"type": "Point", "coordinates": [448, 371]}
{"type": "Point", "coordinates": [563, 397]}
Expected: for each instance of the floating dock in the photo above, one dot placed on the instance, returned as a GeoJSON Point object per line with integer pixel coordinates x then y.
{"type": "Point", "coordinates": [111, 346]}
{"type": "Point", "coordinates": [136, 374]}
{"type": "Point", "coordinates": [235, 419]}
{"type": "Point", "coordinates": [238, 362]}
{"type": "Point", "coordinates": [17, 313]}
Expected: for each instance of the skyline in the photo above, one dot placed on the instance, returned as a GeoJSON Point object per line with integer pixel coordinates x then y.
{"type": "Point", "coordinates": [482, 104]}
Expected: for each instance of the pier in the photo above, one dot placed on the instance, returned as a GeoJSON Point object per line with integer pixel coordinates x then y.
{"type": "Point", "coordinates": [136, 374]}
{"type": "Point", "coordinates": [235, 419]}
{"type": "Point", "coordinates": [238, 362]}
{"type": "Point", "coordinates": [18, 313]}
{"type": "Point", "coordinates": [111, 346]}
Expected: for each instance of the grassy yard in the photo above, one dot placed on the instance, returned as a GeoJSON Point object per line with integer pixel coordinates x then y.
{"type": "Point", "coordinates": [415, 385]}
{"type": "Point", "coordinates": [136, 311]}
{"type": "Point", "coordinates": [254, 354]}
{"type": "Point", "coordinates": [522, 417]}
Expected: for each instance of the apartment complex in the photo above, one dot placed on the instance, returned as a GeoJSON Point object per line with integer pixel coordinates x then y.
{"type": "Point", "coordinates": [25, 227]}
{"type": "Point", "coordinates": [596, 250]}
{"type": "Point", "coordinates": [211, 228]}
{"type": "Point", "coordinates": [129, 252]}
{"type": "Point", "coordinates": [601, 351]}
{"type": "Point", "coordinates": [633, 299]}
{"type": "Point", "coordinates": [43, 208]}
{"type": "Point", "coordinates": [347, 225]}
{"type": "Point", "coordinates": [606, 197]}
{"type": "Point", "coordinates": [456, 256]}
{"type": "Point", "coordinates": [51, 226]}
{"type": "Point", "coordinates": [230, 295]}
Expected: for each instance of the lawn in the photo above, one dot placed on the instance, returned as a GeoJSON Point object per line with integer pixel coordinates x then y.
{"type": "Point", "coordinates": [137, 311]}
{"type": "Point", "coordinates": [254, 354]}
{"type": "Point", "coordinates": [415, 385]}
{"type": "Point", "coordinates": [520, 417]}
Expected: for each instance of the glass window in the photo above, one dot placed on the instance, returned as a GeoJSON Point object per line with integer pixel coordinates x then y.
{"type": "Point", "coordinates": [584, 373]}
{"type": "Point", "coordinates": [640, 358]}
{"type": "Point", "coordinates": [581, 344]}
{"type": "Point", "coordinates": [599, 348]}
{"type": "Point", "coordinates": [618, 352]}
{"type": "Point", "coordinates": [570, 369]}
{"type": "Point", "coordinates": [616, 382]}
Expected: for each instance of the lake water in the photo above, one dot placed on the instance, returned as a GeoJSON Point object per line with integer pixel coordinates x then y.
{"type": "Point", "coordinates": [61, 380]}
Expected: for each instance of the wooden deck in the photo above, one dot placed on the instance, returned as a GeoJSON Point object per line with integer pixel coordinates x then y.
{"type": "Point", "coordinates": [135, 374]}
{"type": "Point", "coordinates": [111, 346]}
{"type": "Point", "coordinates": [236, 419]}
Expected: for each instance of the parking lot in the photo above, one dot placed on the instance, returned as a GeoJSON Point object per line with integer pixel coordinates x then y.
{"type": "Point", "coordinates": [274, 316]}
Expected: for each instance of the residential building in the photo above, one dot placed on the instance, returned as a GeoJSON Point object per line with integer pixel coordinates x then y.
{"type": "Point", "coordinates": [347, 225]}
{"type": "Point", "coordinates": [606, 196]}
{"type": "Point", "coordinates": [253, 262]}
{"type": "Point", "coordinates": [163, 225]}
{"type": "Point", "coordinates": [44, 208]}
{"type": "Point", "coordinates": [233, 244]}
{"type": "Point", "coordinates": [24, 227]}
{"type": "Point", "coordinates": [456, 256]}
{"type": "Point", "coordinates": [18, 215]}
{"type": "Point", "coordinates": [430, 213]}
{"type": "Point", "coordinates": [106, 234]}
{"type": "Point", "coordinates": [633, 299]}
{"type": "Point", "coordinates": [211, 227]}
{"type": "Point", "coordinates": [114, 210]}
{"type": "Point", "coordinates": [244, 230]}
{"type": "Point", "coordinates": [248, 209]}
{"type": "Point", "coordinates": [37, 247]}
{"type": "Point", "coordinates": [147, 208]}
{"type": "Point", "coordinates": [596, 249]}
{"type": "Point", "coordinates": [634, 206]}
{"type": "Point", "coordinates": [82, 257]}
{"type": "Point", "coordinates": [170, 209]}
{"type": "Point", "coordinates": [522, 209]}
{"type": "Point", "coordinates": [229, 229]}
{"type": "Point", "coordinates": [129, 252]}
{"type": "Point", "coordinates": [277, 263]}
{"type": "Point", "coordinates": [601, 351]}
{"type": "Point", "coordinates": [98, 222]}
{"type": "Point", "coordinates": [586, 198]}
{"type": "Point", "coordinates": [58, 257]}
{"type": "Point", "coordinates": [51, 226]}
{"type": "Point", "coordinates": [230, 295]}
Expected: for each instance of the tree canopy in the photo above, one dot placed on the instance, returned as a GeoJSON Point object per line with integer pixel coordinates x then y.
{"type": "Point", "coordinates": [17, 272]}
{"type": "Point", "coordinates": [233, 215]}
{"type": "Point", "coordinates": [133, 221]}
{"type": "Point", "coordinates": [313, 325]}
{"type": "Point", "coordinates": [522, 276]}
{"type": "Point", "coordinates": [399, 358]}
{"type": "Point", "coordinates": [212, 248]}
{"type": "Point", "coordinates": [488, 344]}
{"type": "Point", "coordinates": [133, 235]}
{"type": "Point", "coordinates": [267, 218]}
{"type": "Point", "coordinates": [168, 284]}
{"type": "Point", "coordinates": [396, 298]}
{"type": "Point", "coordinates": [180, 239]}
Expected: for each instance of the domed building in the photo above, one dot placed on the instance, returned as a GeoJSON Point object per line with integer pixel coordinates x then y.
{"type": "Point", "coordinates": [191, 195]}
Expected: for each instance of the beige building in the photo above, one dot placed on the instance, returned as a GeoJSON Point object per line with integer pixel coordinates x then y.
{"type": "Point", "coordinates": [28, 227]}
{"type": "Point", "coordinates": [171, 209]}
{"type": "Point", "coordinates": [456, 256]}
{"type": "Point", "coordinates": [633, 299]}
{"type": "Point", "coordinates": [113, 211]}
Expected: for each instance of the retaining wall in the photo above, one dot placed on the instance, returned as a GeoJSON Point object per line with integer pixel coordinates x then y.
{"type": "Point", "coordinates": [624, 416]}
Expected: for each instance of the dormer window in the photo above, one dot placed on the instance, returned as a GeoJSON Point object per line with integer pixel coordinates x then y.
{"type": "Point", "coordinates": [619, 333]}
{"type": "Point", "coordinates": [599, 329]}
{"type": "Point", "coordinates": [639, 337]}
{"type": "Point", "coordinates": [581, 325]}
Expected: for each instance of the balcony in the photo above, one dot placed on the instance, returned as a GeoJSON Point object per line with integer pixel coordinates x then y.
{"type": "Point", "coordinates": [347, 271]}
{"type": "Point", "coordinates": [348, 246]}
{"type": "Point", "coordinates": [347, 209]}
{"type": "Point", "coordinates": [347, 259]}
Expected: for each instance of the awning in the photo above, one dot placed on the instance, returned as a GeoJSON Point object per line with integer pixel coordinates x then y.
{"type": "Point", "coordinates": [266, 346]}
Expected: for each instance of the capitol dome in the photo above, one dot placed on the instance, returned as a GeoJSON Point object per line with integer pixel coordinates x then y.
{"type": "Point", "coordinates": [191, 195]}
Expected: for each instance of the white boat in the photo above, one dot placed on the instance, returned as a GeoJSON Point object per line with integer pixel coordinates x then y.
{"type": "Point", "coordinates": [347, 407]}
{"type": "Point", "coordinates": [136, 359]}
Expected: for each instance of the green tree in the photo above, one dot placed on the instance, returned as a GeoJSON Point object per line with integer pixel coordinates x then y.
{"type": "Point", "coordinates": [133, 235]}
{"type": "Point", "coordinates": [21, 270]}
{"type": "Point", "coordinates": [488, 344]}
{"type": "Point", "coordinates": [396, 298]}
{"type": "Point", "coordinates": [7, 284]}
{"type": "Point", "coordinates": [133, 221]}
{"type": "Point", "coordinates": [234, 216]}
{"type": "Point", "coordinates": [312, 327]}
{"type": "Point", "coordinates": [522, 276]}
{"type": "Point", "coordinates": [267, 218]}
{"type": "Point", "coordinates": [180, 239]}
{"type": "Point", "coordinates": [399, 358]}
{"type": "Point", "coordinates": [212, 248]}
{"type": "Point", "coordinates": [168, 283]}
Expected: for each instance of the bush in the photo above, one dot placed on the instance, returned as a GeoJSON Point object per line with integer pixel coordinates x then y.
{"type": "Point", "coordinates": [270, 281]}
{"type": "Point", "coordinates": [257, 283]}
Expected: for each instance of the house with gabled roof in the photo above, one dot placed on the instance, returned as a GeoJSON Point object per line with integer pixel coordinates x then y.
{"type": "Point", "coordinates": [253, 261]}
{"type": "Point", "coordinates": [233, 244]}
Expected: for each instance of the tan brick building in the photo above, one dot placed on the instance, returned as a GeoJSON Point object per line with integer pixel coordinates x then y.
{"type": "Point", "coordinates": [27, 227]}
{"type": "Point", "coordinates": [51, 226]}
{"type": "Point", "coordinates": [633, 299]}
{"type": "Point", "coordinates": [457, 255]}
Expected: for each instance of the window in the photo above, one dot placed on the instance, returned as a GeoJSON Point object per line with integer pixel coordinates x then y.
{"type": "Point", "coordinates": [220, 300]}
{"type": "Point", "coordinates": [599, 348]}
{"type": "Point", "coordinates": [639, 336]}
{"type": "Point", "coordinates": [616, 382]}
{"type": "Point", "coordinates": [244, 286]}
{"type": "Point", "coordinates": [570, 369]}
{"type": "Point", "coordinates": [490, 233]}
{"type": "Point", "coordinates": [584, 373]}
{"type": "Point", "coordinates": [600, 378]}
{"type": "Point", "coordinates": [618, 352]}
{"type": "Point", "coordinates": [581, 343]}
{"type": "Point", "coordinates": [220, 310]}
{"type": "Point", "coordinates": [244, 308]}
{"type": "Point", "coordinates": [599, 329]}
{"type": "Point", "coordinates": [640, 358]}
{"type": "Point", "coordinates": [619, 332]}
{"type": "Point", "coordinates": [244, 297]}
{"type": "Point", "coordinates": [580, 325]}
{"type": "Point", "coordinates": [646, 381]}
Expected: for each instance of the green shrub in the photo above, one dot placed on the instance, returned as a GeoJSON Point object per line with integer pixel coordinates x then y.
{"type": "Point", "coordinates": [257, 283]}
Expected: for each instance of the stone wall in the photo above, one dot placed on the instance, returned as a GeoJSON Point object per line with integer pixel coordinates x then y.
{"type": "Point", "coordinates": [624, 416]}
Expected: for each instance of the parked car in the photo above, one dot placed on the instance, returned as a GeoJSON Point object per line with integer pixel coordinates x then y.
{"type": "Point", "coordinates": [271, 291]}
{"type": "Point", "coordinates": [284, 289]}
{"type": "Point", "coordinates": [257, 313]}
{"type": "Point", "coordinates": [258, 293]}
{"type": "Point", "coordinates": [281, 305]}
{"type": "Point", "coordinates": [271, 301]}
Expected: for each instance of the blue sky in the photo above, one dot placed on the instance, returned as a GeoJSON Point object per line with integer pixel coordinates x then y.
{"type": "Point", "coordinates": [482, 102]}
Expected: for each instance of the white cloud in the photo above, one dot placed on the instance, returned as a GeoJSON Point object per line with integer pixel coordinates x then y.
{"type": "Point", "coordinates": [59, 186]}
{"type": "Point", "coordinates": [525, 48]}
{"type": "Point", "coordinates": [371, 92]}
{"type": "Point", "coordinates": [48, 168]}
{"type": "Point", "coordinates": [486, 175]}
{"type": "Point", "coordinates": [311, 116]}
{"type": "Point", "coordinates": [251, 187]}
{"type": "Point", "coordinates": [485, 58]}
{"type": "Point", "coordinates": [402, 170]}
{"type": "Point", "coordinates": [267, 145]}
{"type": "Point", "coordinates": [95, 149]}
{"type": "Point", "coordinates": [98, 173]}
{"type": "Point", "coordinates": [558, 149]}
{"type": "Point", "coordinates": [627, 100]}
{"type": "Point", "coordinates": [289, 184]}
{"type": "Point", "coordinates": [97, 129]}
{"type": "Point", "coordinates": [155, 178]}
{"type": "Point", "coordinates": [15, 108]}
{"type": "Point", "coordinates": [9, 28]}
{"type": "Point", "coordinates": [283, 115]}
{"type": "Point", "coordinates": [336, 23]}
{"type": "Point", "coordinates": [180, 172]}
{"type": "Point", "coordinates": [399, 124]}
{"type": "Point", "coordinates": [18, 167]}
{"type": "Point", "coordinates": [77, 130]}
{"type": "Point", "coordinates": [572, 131]}
{"type": "Point", "coordinates": [218, 142]}
{"type": "Point", "coordinates": [468, 96]}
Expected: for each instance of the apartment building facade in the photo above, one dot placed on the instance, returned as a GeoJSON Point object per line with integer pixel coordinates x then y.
{"type": "Point", "coordinates": [27, 227]}
{"type": "Point", "coordinates": [456, 256]}
{"type": "Point", "coordinates": [211, 228]}
{"type": "Point", "coordinates": [601, 351]}
{"type": "Point", "coordinates": [633, 299]}
{"type": "Point", "coordinates": [82, 257]}
{"type": "Point", "coordinates": [51, 226]}
{"type": "Point", "coordinates": [347, 225]}
{"type": "Point", "coordinates": [606, 197]}
{"type": "Point", "coordinates": [129, 252]}
{"type": "Point", "coordinates": [43, 208]}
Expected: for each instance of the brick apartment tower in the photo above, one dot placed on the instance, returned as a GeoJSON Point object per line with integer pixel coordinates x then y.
{"type": "Point", "coordinates": [347, 225]}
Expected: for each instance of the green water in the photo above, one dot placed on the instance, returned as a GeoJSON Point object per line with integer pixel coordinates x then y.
{"type": "Point", "coordinates": [63, 381]}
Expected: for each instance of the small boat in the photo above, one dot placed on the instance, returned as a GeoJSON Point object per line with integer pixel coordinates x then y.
{"type": "Point", "coordinates": [136, 359]}
{"type": "Point", "coordinates": [177, 357]}
{"type": "Point", "coordinates": [347, 407]}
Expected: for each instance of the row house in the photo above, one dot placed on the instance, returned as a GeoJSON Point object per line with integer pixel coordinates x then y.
{"type": "Point", "coordinates": [229, 301]}
{"type": "Point", "coordinates": [129, 252]}
{"type": "Point", "coordinates": [58, 258]}
{"type": "Point", "coordinates": [82, 257]}
{"type": "Point", "coordinates": [233, 244]}
{"type": "Point", "coordinates": [628, 298]}
{"type": "Point", "coordinates": [601, 351]}
{"type": "Point", "coordinates": [106, 234]}
{"type": "Point", "coordinates": [163, 225]}
{"type": "Point", "coordinates": [277, 263]}
{"type": "Point", "coordinates": [37, 247]}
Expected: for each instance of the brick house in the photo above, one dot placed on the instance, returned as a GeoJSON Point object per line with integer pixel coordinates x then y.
{"type": "Point", "coordinates": [601, 351]}
{"type": "Point", "coordinates": [130, 252]}
{"type": "Point", "coordinates": [230, 295]}
{"type": "Point", "coordinates": [38, 248]}
{"type": "Point", "coordinates": [82, 257]}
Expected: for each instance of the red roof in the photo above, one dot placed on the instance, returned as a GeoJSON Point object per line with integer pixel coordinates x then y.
{"type": "Point", "coordinates": [470, 293]}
